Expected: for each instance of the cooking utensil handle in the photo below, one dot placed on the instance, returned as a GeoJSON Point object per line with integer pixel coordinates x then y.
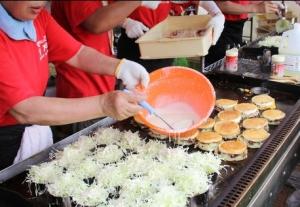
{"type": "Point", "coordinates": [144, 104]}
{"type": "Point", "coordinates": [147, 106]}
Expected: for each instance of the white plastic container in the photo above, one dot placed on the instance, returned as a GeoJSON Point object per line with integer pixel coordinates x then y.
{"type": "Point", "coordinates": [278, 65]}
{"type": "Point", "coordinates": [290, 47]}
{"type": "Point", "coordinates": [290, 44]}
{"type": "Point", "coordinates": [231, 60]}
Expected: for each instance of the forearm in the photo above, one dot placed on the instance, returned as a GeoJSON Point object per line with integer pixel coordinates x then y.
{"type": "Point", "coordinates": [110, 16]}
{"type": "Point", "coordinates": [90, 60]}
{"type": "Point", "coordinates": [228, 7]}
{"type": "Point", "coordinates": [56, 111]}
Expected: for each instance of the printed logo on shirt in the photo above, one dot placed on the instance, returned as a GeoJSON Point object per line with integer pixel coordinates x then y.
{"type": "Point", "coordinates": [42, 47]}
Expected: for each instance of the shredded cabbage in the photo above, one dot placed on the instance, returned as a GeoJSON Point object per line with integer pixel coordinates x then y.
{"type": "Point", "coordinates": [109, 154]}
{"type": "Point", "coordinates": [168, 196]}
{"type": "Point", "coordinates": [270, 41]}
{"type": "Point", "coordinates": [107, 136]}
{"type": "Point", "coordinates": [44, 173]}
{"type": "Point", "coordinates": [93, 195]}
{"type": "Point", "coordinates": [113, 168]}
{"type": "Point", "coordinates": [67, 185]}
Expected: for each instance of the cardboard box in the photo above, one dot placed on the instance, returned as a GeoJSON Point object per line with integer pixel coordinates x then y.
{"type": "Point", "coordinates": [155, 45]}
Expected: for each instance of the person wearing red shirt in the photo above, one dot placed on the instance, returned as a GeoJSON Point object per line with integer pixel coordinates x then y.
{"type": "Point", "coordinates": [139, 22]}
{"type": "Point", "coordinates": [236, 14]}
{"type": "Point", "coordinates": [142, 19]}
{"type": "Point", "coordinates": [89, 23]}
{"type": "Point", "coordinates": [29, 39]}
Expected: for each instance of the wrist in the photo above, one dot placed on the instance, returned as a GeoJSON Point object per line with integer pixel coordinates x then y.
{"type": "Point", "coordinates": [101, 105]}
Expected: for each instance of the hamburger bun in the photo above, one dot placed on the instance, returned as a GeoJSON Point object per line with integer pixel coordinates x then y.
{"type": "Point", "coordinates": [256, 123]}
{"type": "Point", "coordinates": [264, 102]}
{"type": "Point", "coordinates": [232, 150]}
{"type": "Point", "coordinates": [247, 110]}
{"type": "Point", "coordinates": [227, 129]}
{"type": "Point", "coordinates": [208, 141]}
{"type": "Point", "coordinates": [255, 137]}
{"type": "Point", "coordinates": [185, 141]}
{"type": "Point", "coordinates": [225, 104]}
{"type": "Point", "coordinates": [274, 116]}
{"type": "Point", "coordinates": [234, 116]}
{"type": "Point", "coordinates": [208, 125]}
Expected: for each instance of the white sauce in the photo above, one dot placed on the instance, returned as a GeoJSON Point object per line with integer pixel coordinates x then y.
{"type": "Point", "coordinates": [179, 115]}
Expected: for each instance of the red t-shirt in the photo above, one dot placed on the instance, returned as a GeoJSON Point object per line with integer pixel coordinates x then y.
{"type": "Point", "coordinates": [72, 82]}
{"type": "Point", "coordinates": [237, 17]}
{"type": "Point", "coordinates": [179, 9]}
{"type": "Point", "coordinates": [151, 17]}
{"type": "Point", "coordinates": [24, 64]}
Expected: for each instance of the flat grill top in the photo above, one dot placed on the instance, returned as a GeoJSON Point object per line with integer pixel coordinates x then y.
{"type": "Point", "coordinates": [242, 183]}
{"type": "Point", "coordinates": [249, 75]}
{"type": "Point", "coordinates": [237, 183]}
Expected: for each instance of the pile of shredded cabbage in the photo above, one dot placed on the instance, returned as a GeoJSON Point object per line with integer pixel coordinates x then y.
{"type": "Point", "coordinates": [113, 168]}
{"type": "Point", "coordinates": [270, 41]}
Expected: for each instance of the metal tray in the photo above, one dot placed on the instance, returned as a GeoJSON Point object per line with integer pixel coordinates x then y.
{"type": "Point", "coordinates": [237, 183]}
{"type": "Point", "coordinates": [252, 50]}
{"type": "Point", "coordinates": [251, 70]}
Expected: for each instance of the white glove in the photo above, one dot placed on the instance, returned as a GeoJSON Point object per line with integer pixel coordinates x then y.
{"type": "Point", "coordinates": [133, 28]}
{"type": "Point", "coordinates": [150, 4]}
{"type": "Point", "coordinates": [217, 23]}
{"type": "Point", "coordinates": [211, 7]}
{"type": "Point", "coordinates": [132, 74]}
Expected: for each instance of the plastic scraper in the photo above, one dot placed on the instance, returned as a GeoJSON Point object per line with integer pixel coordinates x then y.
{"type": "Point", "coordinates": [151, 110]}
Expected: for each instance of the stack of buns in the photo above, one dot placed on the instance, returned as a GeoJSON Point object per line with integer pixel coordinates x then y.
{"type": "Point", "coordinates": [238, 126]}
{"type": "Point", "coordinates": [225, 104]}
{"type": "Point", "coordinates": [234, 150]}
{"type": "Point", "coordinates": [264, 102]}
{"type": "Point", "coordinates": [274, 116]}
{"type": "Point", "coordinates": [254, 137]}
{"type": "Point", "coordinates": [208, 125]}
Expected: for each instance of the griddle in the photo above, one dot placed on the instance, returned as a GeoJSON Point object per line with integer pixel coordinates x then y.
{"type": "Point", "coordinates": [237, 182]}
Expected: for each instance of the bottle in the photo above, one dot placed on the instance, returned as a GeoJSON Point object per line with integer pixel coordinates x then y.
{"type": "Point", "coordinates": [278, 65]}
{"type": "Point", "coordinates": [231, 60]}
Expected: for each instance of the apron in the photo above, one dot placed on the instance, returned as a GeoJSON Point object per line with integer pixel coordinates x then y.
{"type": "Point", "coordinates": [127, 48]}
{"type": "Point", "coordinates": [18, 142]}
{"type": "Point", "coordinates": [231, 36]}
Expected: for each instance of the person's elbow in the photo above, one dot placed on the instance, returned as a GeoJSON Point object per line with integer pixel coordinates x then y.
{"type": "Point", "coordinates": [21, 116]}
{"type": "Point", "coordinates": [26, 112]}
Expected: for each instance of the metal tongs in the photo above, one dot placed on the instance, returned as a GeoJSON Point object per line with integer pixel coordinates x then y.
{"type": "Point", "coordinates": [151, 110]}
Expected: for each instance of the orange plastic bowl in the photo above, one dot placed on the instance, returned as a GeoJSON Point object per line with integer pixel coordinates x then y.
{"type": "Point", "coordinates": [179, 84]}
